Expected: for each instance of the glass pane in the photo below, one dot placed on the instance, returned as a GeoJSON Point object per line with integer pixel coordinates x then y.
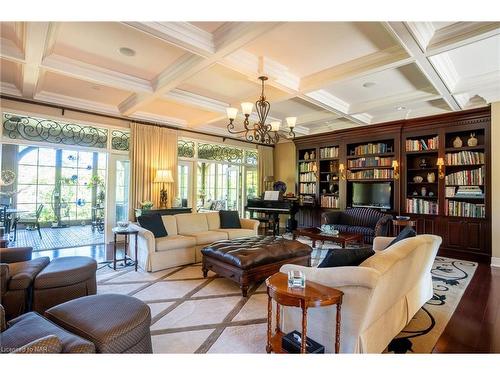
{"type": "Point", "coordinates": [46, 175]}
{"type": "Point", "coordinates": [27, 207]}
{"type": "Point", "coordinates": [47, 214]}
{"type": "Point", "coordinates": [85, 160]}
{"type": "Point", "coordinates": [69, 158]}
{"type": "Point", "coordinates": [84, 176]}
{"type": "Point", "coordinates": [28, 155]}
{"type": "Point", "coordinates": [45, 193]}
{"type": "Point", "coordinates": [26, 194]}
{"type": "Point", "coordinates": [84, 212]}
{"type": "Point", "coordinates": [102, 160]}
{"type": "Point", "coordinates": [47, 156]}
{"type": "Point", "coordinates": [27, 175]}
{"type": "Point", "coordinates": [122, 190]}
{"type": "Point", "coordinates": [70, 175]}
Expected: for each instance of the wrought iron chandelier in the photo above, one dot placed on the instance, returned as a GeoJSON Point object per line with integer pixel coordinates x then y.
{"type": "Point", "coordinates": [259, 131]}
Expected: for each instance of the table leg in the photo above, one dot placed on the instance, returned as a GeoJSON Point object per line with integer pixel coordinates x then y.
{"type": "Point", "coordinates": [304, 330]}
{"type": "Point", "coordinates": [125, 251]}
{"type": "Point", "coordinates": [269, 318]}
{"type": "Point", "coordinates": [114, 251]}
{"type": "Point", "coordinates": [337, 329]}
{"type": "Point", "coordinates": [278, 318]}
{"type": "Point", "coordinates": [343, 244]}
{"type": "Point", "coordinates": [314, 243]}
{"type": "Point", "coordinates": [136, 260]}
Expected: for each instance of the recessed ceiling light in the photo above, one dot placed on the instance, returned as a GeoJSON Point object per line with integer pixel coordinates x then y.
{"type": "Point", "coordinates": [369, 84]}
{"type": "Point", "coordinates": [400, 108]}
{"type": "Point", "coordinates": [127, 51]}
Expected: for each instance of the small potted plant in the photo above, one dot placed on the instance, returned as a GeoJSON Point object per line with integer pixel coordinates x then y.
{"type": "Point", "coordinates": [146, 205]}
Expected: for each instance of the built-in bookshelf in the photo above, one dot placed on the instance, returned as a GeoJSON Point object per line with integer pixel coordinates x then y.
{"type": "Point", "coordinates": [370, 161]}
{"type": "Point", "coordinates": [465, 178]}
{"type": "Point", "coordinates": [422, 184]}
{"type": "Point", "coordinates": [307, 166]}
{"type": "Point", "coordinates": [329, 179]}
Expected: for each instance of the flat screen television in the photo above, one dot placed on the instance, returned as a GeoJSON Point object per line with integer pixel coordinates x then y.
{"type": "Point", "coordinates": [377, 195]}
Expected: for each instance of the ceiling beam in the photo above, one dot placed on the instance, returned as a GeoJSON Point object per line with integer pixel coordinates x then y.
{"type": "Point", "coordinates": [401, 32]}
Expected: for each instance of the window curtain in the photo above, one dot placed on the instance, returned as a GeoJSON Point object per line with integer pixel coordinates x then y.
{"type": "Point", "coordinates": [266, 165]}
{"type": "Point", "coordinates": [152, 148]}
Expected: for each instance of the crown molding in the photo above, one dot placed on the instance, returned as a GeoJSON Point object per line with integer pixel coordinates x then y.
{"type": "Point", "coordinates": [196, 100]}
{"type": "Point", "coordinates": [11, 51]}
{"type": "Point", "coordinates": [72, 102]}
{"type": "Point", "coordinates": [364, 118]}
{"type": "Point", "coordinates": [479, 83]}
{"type": "Point", "coordinates": [232, 36]}
{"type": "Point", "coordinates": [446, 69]}
{"type": "Point", "coordinates": [160, 119]}
{"type": "Point", "coordinates": [180, 34]}
{"type": "Point", "coordinates": [329, 100]}
{"type": "Point", "coordinates": [10, 89]}
{"type": "Point", "coordinates": [422, 32]}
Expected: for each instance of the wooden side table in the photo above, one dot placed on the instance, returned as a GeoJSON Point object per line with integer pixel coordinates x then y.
{"type": "Point", "coordinates": [126, 233]}
{"type": "Point", "coordinates": [398, 224]}
{"type": "Point", "coordinates": [313, 295]}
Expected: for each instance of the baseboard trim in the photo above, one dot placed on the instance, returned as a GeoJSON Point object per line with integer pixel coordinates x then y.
{"type": "Point", "coordinates": [495, 262]}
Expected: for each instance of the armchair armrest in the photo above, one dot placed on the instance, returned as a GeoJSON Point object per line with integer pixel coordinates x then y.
{"type": "Point", "coordinates": [3, 325]}
{"type": "Point", "coordinates": [250, 224]}
{"type": "Point", "coordinates": [4, 277]}
{"type": "Point", "coordinates": [331, 217]}
{"type": "Point", "coordinates": [380, 243]}
{"type": "Point", "coordinates": [15, 254]}
{"type": "Point", "coordinates": [145, 239]}
{"type": "Point", "coordinates": [382, 226]}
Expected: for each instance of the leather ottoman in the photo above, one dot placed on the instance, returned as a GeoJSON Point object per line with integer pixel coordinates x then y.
{"type": "Point", "coordinates": [64, 279]}
{"type": "Point", "coordinates": [115, 323]}
{"type": "Point", "coordinates": [253, 259]}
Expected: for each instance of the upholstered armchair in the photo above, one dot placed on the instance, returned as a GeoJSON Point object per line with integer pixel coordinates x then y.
{"type": "Point", "coordinates": [17, 273]}
{"type": "Point", "coordinates": [366, 221]}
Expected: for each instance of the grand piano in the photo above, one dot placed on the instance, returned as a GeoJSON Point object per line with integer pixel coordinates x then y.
{"type": "Point", "coordinates": [272, 209]}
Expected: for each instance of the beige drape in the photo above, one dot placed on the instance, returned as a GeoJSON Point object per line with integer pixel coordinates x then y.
{"type": "Point", "coordinates": [152, 148]}
{"type": "Point", "coordinates": [266, 165]}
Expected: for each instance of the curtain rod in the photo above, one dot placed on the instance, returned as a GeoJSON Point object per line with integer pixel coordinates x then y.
{"type": "Point", "coordinates": [142, 122]}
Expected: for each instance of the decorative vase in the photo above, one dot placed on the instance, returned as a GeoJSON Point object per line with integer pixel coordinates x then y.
{"type": "Point", "coordinates": [423, 191]}
{"type": "Point", "coordinates": [306, 156]}
{"type": "Point", "coordinates": [431, 177]}
{"type": "Point", "coordinates": [418, 179]}
{"type": "Point", "coordinates": [472, 141]}
{"type": "Point", "coordinates": [313, 155]}
{"type": "Point", "coordinates": [423, 163]}
{"type": "Point", "coordinates": [457, 143]}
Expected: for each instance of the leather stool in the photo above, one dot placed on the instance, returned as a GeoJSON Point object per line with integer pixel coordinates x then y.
{"type": "Point", "coordinates": [62, 280]}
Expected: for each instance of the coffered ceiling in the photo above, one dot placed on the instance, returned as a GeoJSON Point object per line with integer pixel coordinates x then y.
{"type": "Point", "coordinates": [330, 75]}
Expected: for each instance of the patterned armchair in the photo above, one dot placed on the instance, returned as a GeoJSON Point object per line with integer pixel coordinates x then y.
{"type": "Point", "coordinates": [366, 221]}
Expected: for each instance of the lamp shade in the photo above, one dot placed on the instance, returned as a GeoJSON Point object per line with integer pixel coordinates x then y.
{"type": "Point", "coordinates": [164, 175]}
{"type": "Point", "coordinates": [440, 162]}
{"type": "Point", "coordinates": [395, 164]}
{"type": "Point", "coordinates": [231, 113]}
{"type": "Point", "coordinates": [275, 126]}
{"type": "Point", "coordinates": [291, 121]}
{"type": "Point", "coordinates": [246, 108]}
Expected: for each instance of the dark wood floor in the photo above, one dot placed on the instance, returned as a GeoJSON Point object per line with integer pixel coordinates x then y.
{"type": "Point", "coordinates": [473, 328]}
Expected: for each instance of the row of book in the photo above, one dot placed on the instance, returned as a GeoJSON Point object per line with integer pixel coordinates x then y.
{"type": "Point", "coordinates": [307, 167]}
{"type": "Point", "coordinates": [307, 177]}
{"type": "Point", "coordinates": [370, 162]}
{"type": "Point", "coordinates": [421, 144]}
{"type": "Point", "coordinates": [421, 206]}
{"type": "Point", "coordinates": [372, 148]}
{"type": "Point", "coordinates": [329, 201]}
{"type": "Point", "coordinates": [371, 174]}
{"type": "Point", "coordinates": [329, 152]}
{"type": "Point", "coordinates": [307, 188]}
{"type": "Point", "coordinates": [469, 177]}
{"type": "Point", "coordinates": [465, 209]}
{"type": "Point", "coordinates": [464, 192]}
{"type": "Point", "coordinates": [465, 158]}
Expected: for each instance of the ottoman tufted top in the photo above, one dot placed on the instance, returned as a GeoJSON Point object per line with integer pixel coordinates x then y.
{"type": "Point", "coordinates": [255, 251]}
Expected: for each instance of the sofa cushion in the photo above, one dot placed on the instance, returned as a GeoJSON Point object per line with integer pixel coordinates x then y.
{"type": "Point", "coordinates": [346, 257]}
{"type": "Point", "coordinates": [44, 345]}
{"type": "Point", "coordinates": [154, 224]}
{"type": "Point", "coordinates": [355, 229]}
{"type": "Point", "coordinates": [213, 220]}
{"type": "Point", "coordinates": [237, 233]}
{"type": "Point", "coordinates": [361, 216]}
{"type": "Point", "coordinates": [207, 237]}
{"type": "Point", "coordinates": [31, 326]}
{"type": "Point", "coordinates": [229, 219]}
{"type": "Point", "coordinates": [407, 232]}
{"type": "Point", "coordinates": [23, 273]}
{"type": "Point", "coordinates": [66, 271]}
{"type": "Point", "coordinates": [174, 242]}
{"type": "Point", "coordinates": [170, 224]}
{"type": "Point", "coordinates": [191, 223]}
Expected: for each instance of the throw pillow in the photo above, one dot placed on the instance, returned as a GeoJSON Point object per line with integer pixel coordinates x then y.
{"type": "Point", "coordinates": [346, 257]}
{"type": "Point", "coordinates": [407, 232]}
{"type": "Point", "coordinates": [229, 219]}
{"type": "Point", "coordinates": [153, 223]}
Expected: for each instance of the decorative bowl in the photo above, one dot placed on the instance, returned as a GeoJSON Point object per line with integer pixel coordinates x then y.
{"type": "Point", "coordinates": [402, 217]}
{"type": "Point", "coordinates": [123, 224]}
{"type": "Point", "coordinates": [418, 179]}
{"type": "Point", "coordinates": [329, 229]}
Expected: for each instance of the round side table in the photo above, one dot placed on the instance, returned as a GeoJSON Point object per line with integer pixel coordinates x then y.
{"type": "Point", "coordinates": [126, 233]}
{"type": "Point", "coordinates": [313, 295]}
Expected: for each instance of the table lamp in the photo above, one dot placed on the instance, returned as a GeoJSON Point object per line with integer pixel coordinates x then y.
{"type": "Point", "coordinates": [163, 176]}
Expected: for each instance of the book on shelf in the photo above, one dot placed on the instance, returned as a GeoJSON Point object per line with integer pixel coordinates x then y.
{"type": "Point", "coordinates": [421, 206]}
{"type": "Point", "coordinates": [307, 177]}
{"type": "Point", "coordinates": [330, 201]}
{"type": "Point", "coordinates": [468, 177]}
{"type": "Point", "coordinates": [372, 148]}
{"type": "Point", "coordinates": [421, 144]}
{"type": "Point", "coordinates": [465, 158]}
{"type": "Point", "coordinates": [328, 152]}
{"type": "Point", "coordinates": [307, 166]}
{"type": "Point", "coordinates": [371, 174]}
{"type": "Point", "coordinates": [374, 161]}
{"type": "Point", "coordinates": [307, 188]}
{"type": "Point", "coordinates": [465, 209]}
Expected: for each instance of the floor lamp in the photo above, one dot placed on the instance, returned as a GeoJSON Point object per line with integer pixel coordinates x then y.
{"type": "Point", "coordinates": [163, 176]}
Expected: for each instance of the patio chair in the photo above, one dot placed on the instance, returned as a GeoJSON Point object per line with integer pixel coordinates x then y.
{"type": "Point", "coordinates": [29, 220]}
{"type": "Point", "coordinates": [4, 218]}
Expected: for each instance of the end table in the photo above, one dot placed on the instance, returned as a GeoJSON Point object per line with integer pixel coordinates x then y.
{"type": "Point", "coordinates": [313, 295]}
{"type": "Point", "coordinates": [126, 232]}
{"type": "Point", "coordinates": [398, 224]}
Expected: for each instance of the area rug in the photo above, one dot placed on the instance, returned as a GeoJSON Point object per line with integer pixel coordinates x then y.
{"type": "Point", "coordinates": [191, 314]}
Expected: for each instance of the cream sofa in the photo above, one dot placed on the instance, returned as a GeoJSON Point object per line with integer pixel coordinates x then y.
{"type": "Point", "coordinates": [187, 235]}
{"type": "Point", "coordinates": [381, 295]}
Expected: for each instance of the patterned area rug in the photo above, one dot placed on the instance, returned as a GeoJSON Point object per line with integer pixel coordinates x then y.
{"type": "Point", "coordinates": [191, 314]}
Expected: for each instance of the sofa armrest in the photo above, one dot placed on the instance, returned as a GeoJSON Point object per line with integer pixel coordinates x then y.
{"type": "Point", "coordinates": [250, 224]}
{"type": "Point", "coordinates": [4, 277]}
{"type": "Point", "coordinates": [15, 254]}
{"type": "Point", "coordinates": [380, 243]}
{"type": "Point", "coordinates": [382, 226]}
{"type": "Point", "coordinates": [145, 240]}
{"type": "Point", "coordinates": [331, 217]}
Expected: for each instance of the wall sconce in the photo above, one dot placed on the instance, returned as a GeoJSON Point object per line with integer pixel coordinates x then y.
{"type": "Point", "coordinates": [342, 171]}
{"type": "Point", "coordinates": [440, 165]}
{"type": "Point", "coordinates": [395, 167]}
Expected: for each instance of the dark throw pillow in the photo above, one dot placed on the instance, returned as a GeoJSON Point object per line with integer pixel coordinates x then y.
{"type": "Point", "coordinates": [346, 257]}
{"type": "Point", "coordinates": [407, 232]}
{"type": "Point", "coordinates": [153, 223]}
{"type": "Point", "coordinates": [229, 219]}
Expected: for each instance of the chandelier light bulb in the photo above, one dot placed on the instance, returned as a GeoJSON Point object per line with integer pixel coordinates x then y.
{"type": "Point", "coordinates": [291, 122]}
{"type": "Point", "coordinates": [231, 113]}
{"type": "Point", "coordinates": [246, 108]}
{"type": "Point", "coordinates": [275, 126]}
